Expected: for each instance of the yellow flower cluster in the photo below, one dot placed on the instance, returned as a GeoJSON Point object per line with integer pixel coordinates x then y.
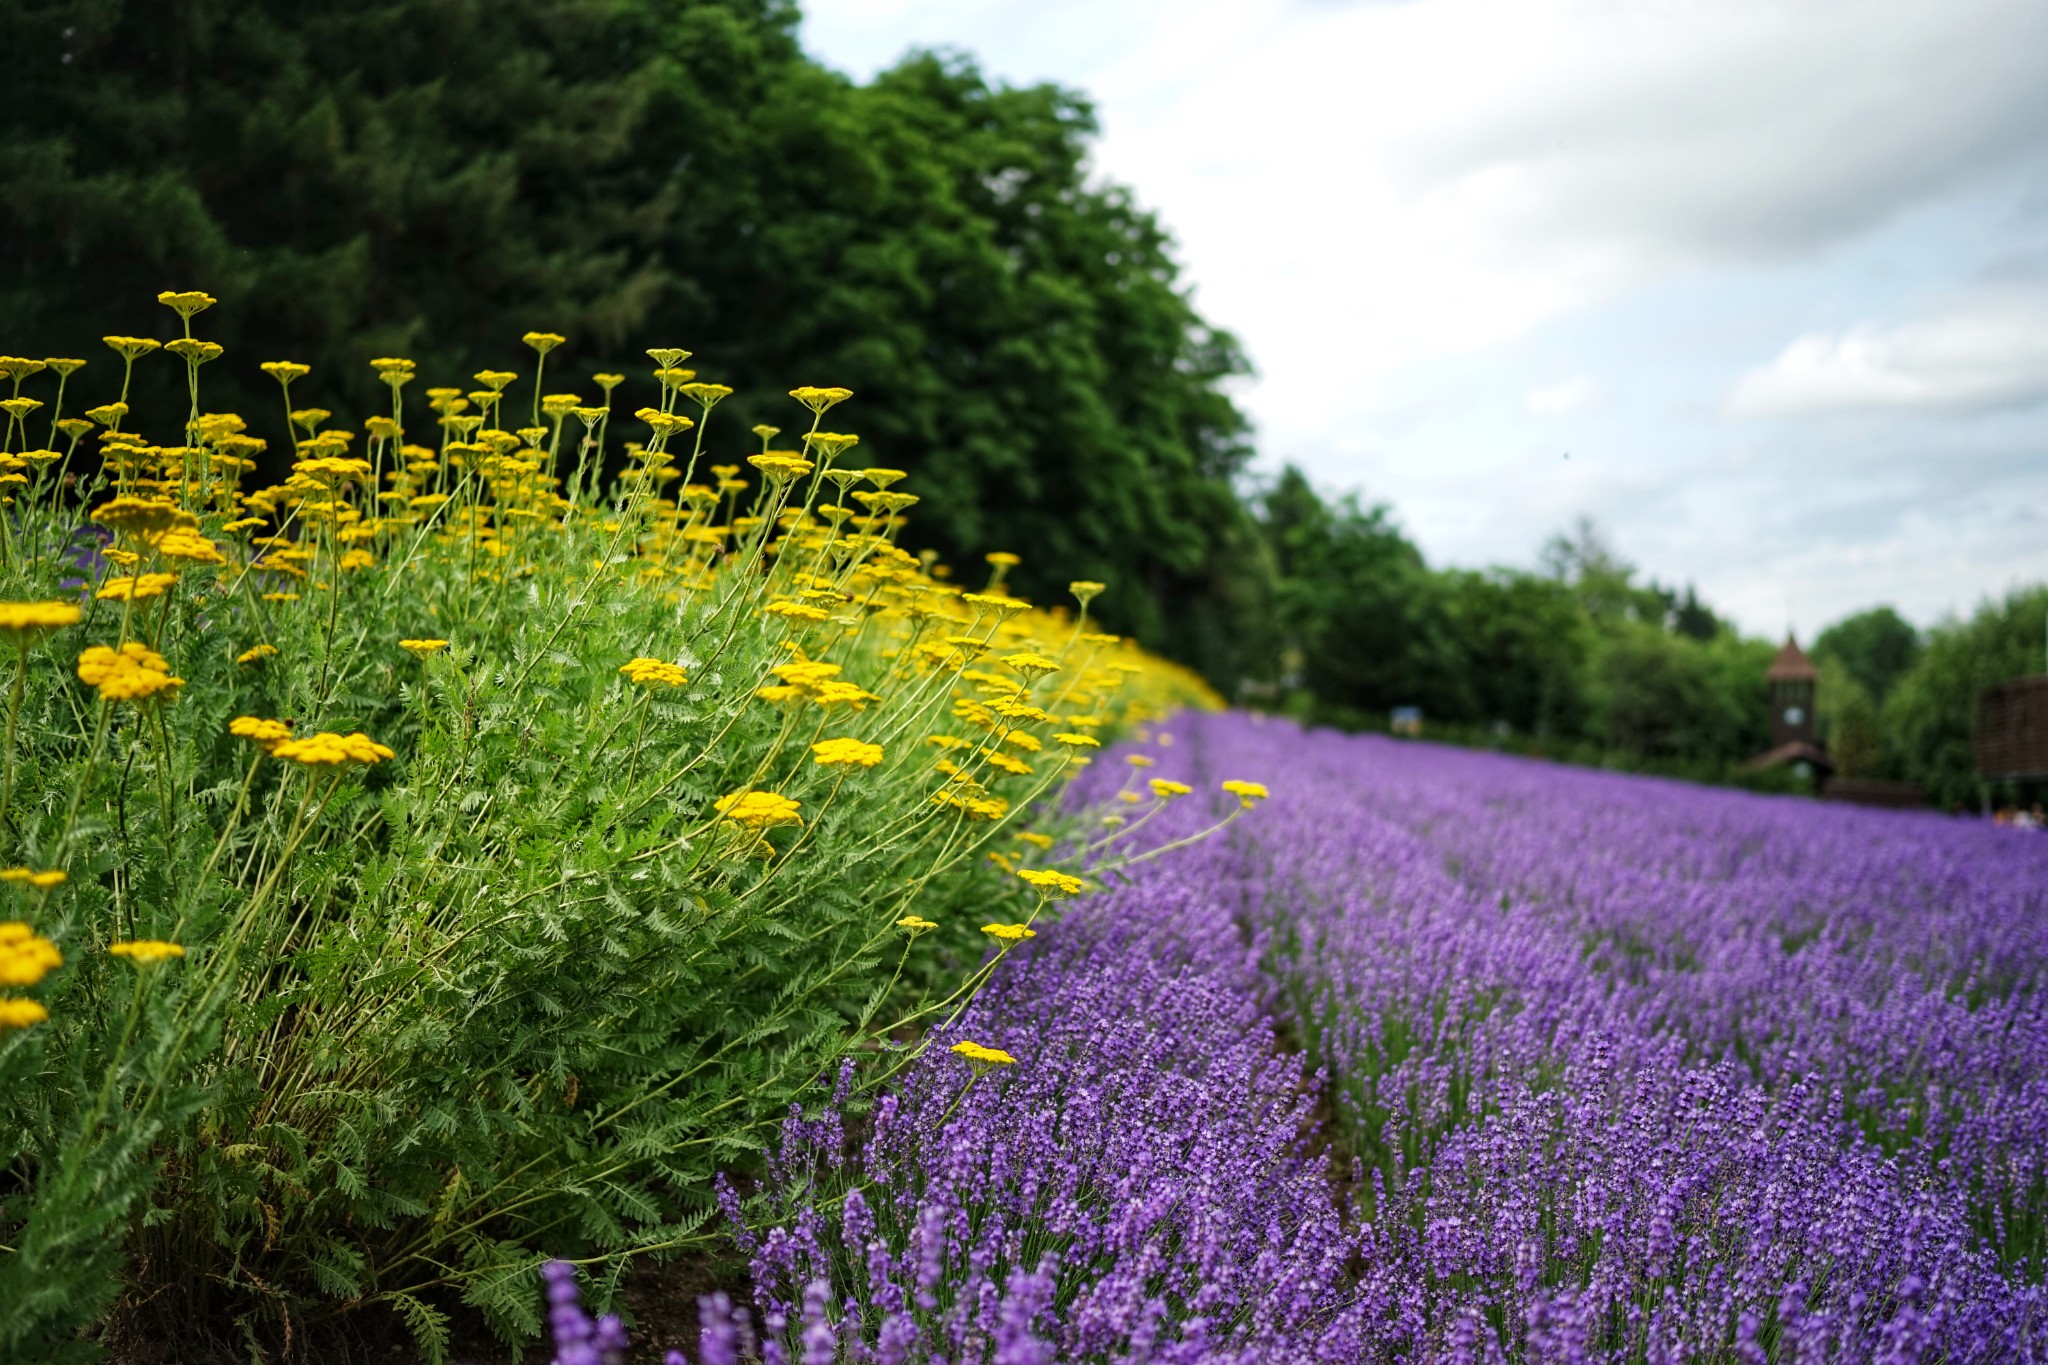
{"type": "Point", "coordinates": [654, 673]}
{"type": "Point", "coordinates": [144, 952]}
{"type": "Point", "coordinates": [423, 648]}
{"type": "Point", "coordinates": [1248, 794]}
{"type": "Point", "coordinates": [1051, 884]}
{"type": "Point", "coordinates": [33, 618]}
{"type": "Point", "coordinates": [134, 672]}
{"type": "Point", "coordinates": [983, 1056]}
{"type": "Point", "coordinates": [758, 810]}
{"type": "Point", "coordinates": [137, 588]}
{"type": "Point", "coordinates": [1009, 933]}
{"type": "Point", "coordinates": [256, 655]}
{"type": "Point", "coordinates": [846, 753]}
{"type": "Point", "coordinates": [25, 957]}
{"type": "Point", "coordinates": [264, 734]}
{"type": "Point", "coordinates": [28, 876]}
{"type": "Point", "coordinates": [328, 749]}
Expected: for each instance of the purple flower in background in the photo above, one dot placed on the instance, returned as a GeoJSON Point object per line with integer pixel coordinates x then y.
{"type": "Point", "coordinates": [1447, 1056]}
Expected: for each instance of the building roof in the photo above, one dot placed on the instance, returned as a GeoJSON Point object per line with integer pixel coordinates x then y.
{"type": "Point", "coordinates": [1798, 751]}
{"type": "Point", "coordinates": [1791, 665]}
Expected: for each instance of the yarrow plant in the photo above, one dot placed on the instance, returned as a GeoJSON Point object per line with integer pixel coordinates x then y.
{"type": "Point", "coordinates": [454, 834]}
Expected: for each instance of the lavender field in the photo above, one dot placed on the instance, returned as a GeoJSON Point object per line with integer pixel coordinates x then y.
{"type": "Point", "coordinates": [1448, 1056]}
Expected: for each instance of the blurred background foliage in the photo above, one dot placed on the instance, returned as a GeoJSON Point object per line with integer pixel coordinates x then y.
{"type": "Point", "coordinates": [432, 178]}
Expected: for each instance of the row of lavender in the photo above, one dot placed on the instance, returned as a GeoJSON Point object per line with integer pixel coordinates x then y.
{"type": "Point", "coordinates": [1613, 1069]}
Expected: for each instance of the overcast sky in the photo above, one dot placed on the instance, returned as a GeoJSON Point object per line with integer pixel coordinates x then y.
{"type": "Point", "coordinates": [1761, 287]}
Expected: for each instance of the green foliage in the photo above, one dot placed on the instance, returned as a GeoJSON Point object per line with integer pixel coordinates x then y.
{"type": "Point", "coordinates": [426, 180]}
{"type": "Point", "coordinates": [525, 983]}
{"type": "Point", "coordinates": [1876, 648]}
{"type": "Point", "coordinates": [1930, 710]}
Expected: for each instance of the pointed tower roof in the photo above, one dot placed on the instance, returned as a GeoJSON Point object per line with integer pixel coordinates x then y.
{"type": "Point", "coordinates": [1791, 665]}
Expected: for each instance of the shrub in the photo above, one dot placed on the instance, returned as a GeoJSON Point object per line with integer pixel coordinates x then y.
{"type": "Point", "coordinates": [498, 841]}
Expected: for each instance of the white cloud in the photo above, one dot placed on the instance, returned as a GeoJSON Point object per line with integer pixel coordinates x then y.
{"type": "Point", "coordinates": [1986, 353]}
{"type": "Point", "coordinates": [1431, 222]}
{"type": "Point", "coordinates": [1567, 398]}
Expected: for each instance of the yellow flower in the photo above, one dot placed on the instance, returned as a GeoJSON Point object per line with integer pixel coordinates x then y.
{"type": "Point", "coordinates": [1079, 741]}
{"type": "Point", "coordinates": [914, 924]}
{"type": "Point", "coordinates": [758, 810]}
{"type": "Point", "coordinates": [199, 352]}
{"type": "Point", "coordinates": [280, 597]}
{"type": "Point", "coordinates": [780, 466]}
{"type": "Point", "coordinates": [32, 618]}
{"type": "Point", "coordinates": [285, 371]}
{"type": "Point", "coordinates": [260, 652]}
{"type": "Point", "coordinates": [328, 749]}
{"type": "Point", "coordinates": [1140, 761]}
{"type": "Point", "coordinates": [41, 881]}
{"type": "Point", "coordinates": [654, 673]}
{"type": "Point", "coordinates": [144, 516]}
{"type": "Point", "coordinates": [1247, 793]}
{"type": "Point", "coordinates": [136, 589]}
{"type": "Point", "coordinates": [983, 1056]}
{"type": "Point", "coordinates": [1032, 665]}
{"type": "Point", "coordinates": [25, 956]}
{"type": "Point", "coordinates": [845, 753]}
{"type": "Point", "coordinates": [352, 560]}
{"type": "Point", "coordinates": [145, 951]}
{"type": "Point", "coordinates": [1053, 885]}
{"type": "Point", "coordinates": [264, 734]}
{"type": "Point", "coordinates": [543, 342]}
{"type": "Point", "coordinates": [186, 302]}
{"type": "Point", "coordinates": [1166, 790]}
{"type": "Point", "coordinates": [1016, 767]}
{"type": "Point", "coordinates": [129, 349]}
{"type": "Point", "coordinates": [779, 692]}
{"type": "Point", "coordinates": [817, 399]}
{"type": "Point", "coordinates": [133, 673]}
{"type": "Point", "coordinates": [423, 647]}
{"type": "Point", "coordinates": [1085, 592]}
{"type": "Point", "coordinates": [842, 694]}
{"type": "Point", "coordinates": [188, 545]}
{"type": "Point", "coordinates": [1009, 933]}
{"type": "Point", "coordinates": [21, 1013]}
{"type": "Point", "coordinates": [1036, 840]}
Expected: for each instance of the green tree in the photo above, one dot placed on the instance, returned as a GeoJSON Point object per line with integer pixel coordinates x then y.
{"type": "Point", "coordinates": [1524, 645]}
{"type": "Point", "coordinates": [1877, 647]}
{"type": "Point", "coordinates": [1359, 607]}
{"type": "Point", "coordinates": [1931, 709]}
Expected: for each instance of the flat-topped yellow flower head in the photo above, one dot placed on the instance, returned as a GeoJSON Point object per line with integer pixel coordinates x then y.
{"type": "Point", "coordinates": [654, 673]}
{"type": "Point", "coordinates": [264, 734]}
{"type": "Point", "coordinates": [820, 399]}
{"type": "Point", "coordinates": [132, 673]}
{"type": "Point", "coordinates": [329, 750]}
{"type": "Point", "coordinates": [25, 956]}
{"type": "Point", "coordinates": [186, 302]}
{"type": "Point", "coordinates": [24, 620]}
{"type": "Point", "coordinates": [21, 1013]}
{"type": "Point", "coordinates": [146, 952]}
{"type": "Point", "coordinates": [1166, 790]}
{"type": "Point", "coordinates": [423, 648]}
{"type": "Point", "coordinates": [758, 810]}
{"type": "Point", "coordinates": [1051, 884]}
{"type": "Point", "coordinates": [1248, 794]}
{"type": "Point", "coordinates": [981, 1058]}
{"type": "Point", "coordinates": [1009, 933]}
{"type": "Point", "coordinates": [43, 880]}
{"type": "Point", "coordinates": [846, 753]}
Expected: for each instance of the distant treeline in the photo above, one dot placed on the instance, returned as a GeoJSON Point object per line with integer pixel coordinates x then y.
{"type": "Point", "coordinates": [434, 179]}
{"type": "Point", "coordinates": [1579, 659]}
